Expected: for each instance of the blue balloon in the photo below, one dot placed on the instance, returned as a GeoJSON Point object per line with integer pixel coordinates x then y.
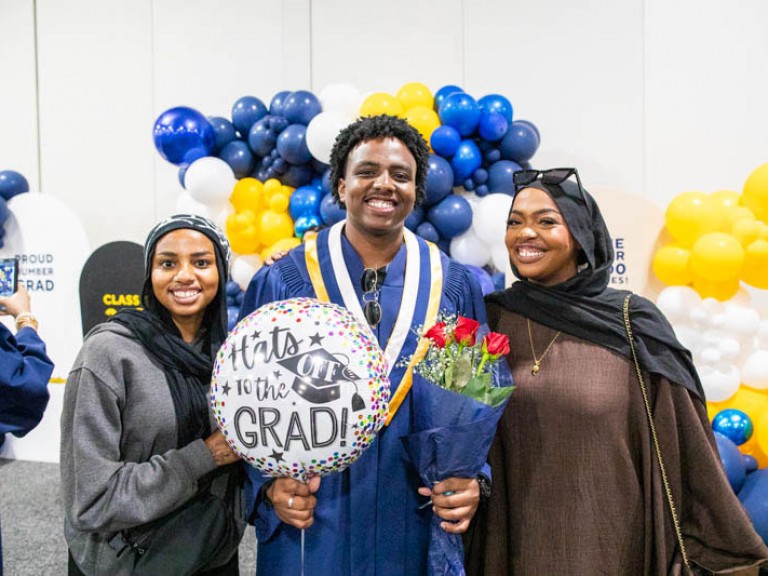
{"type": "Point", "coordinates": [298, 175]}
{"type": "Point", "coordinates": [480, 176]}
{"type": "Point", "coordinates": [445, 141]}
{"type": "Point", "coordinates": [300, 107]}
{"type": "Point", "coordinates": [492, 155]}
{"type": "Point", "coordinates": [4, 213]}
{"type": "Point", "coordinates": [734, 424]}
{"type": "Point", "coordinates": [499, 280]}
{"type": "Point", "coordinates": [466, 160]}
{"type": "Point", "coordinates": [183, 174]}
{"type": "Point", "coordinates": [469, 185]}
{"type": "Point", "coordinates": [239, 299]}
{"type": "Point", "coordinates": [292, 144]}
{"type": "Point", "coordinates": [232, 313]}
{"type": "Point", "coordinates": [754, 497]}
{"type": "Point", "coordinates": [460, 111]}
{"type": "Point", "coordinates": [224, 132]}
{"type": "Point", "coordinates": [330, 211]}
{"type": "Point", "coordinates": [327, 181]}
{"type": "Point", "coordinates": [246, 112]}
{"type": "Point", "coordinates": [750, 463]}
{"type": "Point", "coordinates": [277, 102]}
{"type": "Point", "coordinates": [305, 201]}
{"type": "Point", "coordinates": [261, 139]}
{"type": "Point", "coordinates": [414, 218]}
{"type": "Point", "coordinates": [443, 92]}
{"type": "Point", "coordinates": [233, 289]}
{"type": "Point", "coordinates": [427, 231]}
{"type": "Point", "coordinates": [493, 126]}
{"type": "Point", "coordinates": [520, 142]}
{"type": "Point", "coordinates": [12, 183]}
{"type": "Point", "coordinates": [532, 126]}
{"type": "Point", "coordinates": [239, 157]}
{"type": "Point", "coordinates": [319, 167]}
{"type": "Point", "coordinates": [482, 277]}
{"type": "Point", "coordinates": [497, 103]}
{"type": "Point", "coordinates": [482, 190]}
{"type": "Point", "coordinates": [451, 217]}
{"type": "Point", "coordinates": [732, 461]}
{"type": "Point", "coordinates": [182, 135]}
{"type": "Point", "coordinates": [500, 177]}
{"type": "Point", "coordinates": [439, 180]}
{"type": "Point", "coordinates": [277, 124]}
{"type": "Point", "coordinates": [303, 222]}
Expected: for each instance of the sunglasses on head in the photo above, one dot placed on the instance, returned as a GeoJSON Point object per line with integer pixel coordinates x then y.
{"type": "Point", "coordinates": [552, 177]}
{"type": "Point", "coordinates": [370, 282]}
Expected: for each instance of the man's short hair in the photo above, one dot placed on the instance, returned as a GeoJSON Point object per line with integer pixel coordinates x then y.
{"type": "Point", "coordinates": [373, 128]}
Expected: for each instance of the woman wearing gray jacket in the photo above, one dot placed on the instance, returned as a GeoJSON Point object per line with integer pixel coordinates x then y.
{"type": "Point", "coordinates": [147, 479]}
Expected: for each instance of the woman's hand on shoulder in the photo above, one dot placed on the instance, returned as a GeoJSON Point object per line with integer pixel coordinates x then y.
{"type": "Point", "coordinates": [272, 258]}
{"type": "Point", "coordinates": [293, 501]}
{"type": "Point", "coordinates": [220, 449]}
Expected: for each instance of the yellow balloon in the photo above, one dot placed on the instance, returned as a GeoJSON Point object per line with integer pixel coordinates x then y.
{"type": "Point", "coordinates": [243, 232]}
{"type": "Point", "coordinates": [755, 272]}
{"type": "Point", "coordinates": [381, 103]}
{"type": "Point", "coordinates": [415, 94]}
{"type": "Point", "coordinates": [761, 432]}
{"type": "Point", "coordinates": [274, 226]}
{"type": "Point", "coordinates": [751, 401]}
{"type": "Point", "coordinates": [717, 257]}
{"type": "Point", "coordinates": [708, 289]}
{"type": "Point", "coordinates": [714, 407]}
{"type": "Point", "coordinates": [284, 244]}
{"type": "Point", "coordinates": [755, 193]}
{"type": "Point", "coordinates": [725, 202]}
{"type": "Point", "coordinates": [279, 201]}
{"type": "Point", "coordinates": [752, 447]}
{"type": "Point", "coordinates": [272, 186]}
{"type": "Point", "coordinates": [248, 194]}
{"type": "Point", "coordinates": [746, 231]}
{"type": "Point", "coordinates": [690, 215]}
{"type": "Point", "coordinates": [670, 264]}
{"type": "Point", "coordinates": [424, 119]}
{"type": "Point", "coordinates": [739, 213]}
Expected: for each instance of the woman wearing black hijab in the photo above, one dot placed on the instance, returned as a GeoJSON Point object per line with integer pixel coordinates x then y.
{"type": "Point", "coordinates": [148, 482]}
{"type": "Point", "coordinates": [577, 485]}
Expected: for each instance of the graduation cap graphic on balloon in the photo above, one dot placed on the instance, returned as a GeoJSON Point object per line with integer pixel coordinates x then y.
{"type": "Point", "coordinates": [319, 376]}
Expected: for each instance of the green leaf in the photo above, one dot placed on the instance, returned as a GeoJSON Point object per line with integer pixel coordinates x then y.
{"type": "Point", "coordinates": [495, 396]}
{"type": "Point", "coordinates": [462, 371]}
{"type": "Point", "coordinates": [476, 387]}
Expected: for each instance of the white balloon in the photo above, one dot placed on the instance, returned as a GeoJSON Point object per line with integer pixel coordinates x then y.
{"type": "Point", "coordinates": [243, 268]}
{"type": "Point", "coordinates": [322, 132]}
{"type": "Point", "coordinates": [489, 219]}
{"type": "Point", "coordinates": [185, 204]}
{"type": "Point", "coordinates": [210, 181]}
{"type": "Point", "coordinates": [710, 355]}
{"type": "Point", "coordinates": [677, 301]}
{"type": "Point", "coordinates": [699, 318]}
{"type": "Point", "coordinates": [761, 337]}
{"type": "Point", "coordinates": [467, 248]}
{"type": "Point", "coordinates": [342, 98]}
{"type": "Point", "coordinates": [719, 383]}
{"type": "Point", "coordinates": [500, 257]}
{"type": "Point", "coordinates": [690, 338]}
{"type": "Point", "coordinates": [741, 321]}
{"type": "Point", "coordinates": [729, 348]}
{"type": "Point", "coordinates": [220, 217]}
{"type": "Point", "coordinates": [754, 372]}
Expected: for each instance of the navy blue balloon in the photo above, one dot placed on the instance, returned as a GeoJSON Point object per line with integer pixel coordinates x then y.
{"type": "Point", "coordinates": [330, 211]}
{"type": "Point", "coordinates": [466, 160]}
{"type": "Point", "coordinates": [445, 140]}
{"type": "Point", "coordinates": [232, 313]}
{"type": "Point", "coordinates": [734, 424]}
{"type": "Point", "coordinates": [239, 157]}
{"type": "Point", "coordinates": [304, 201]}
{"type": "Point", "coordinates": [12, 183]}
{"type": "Point", "coordinates": [303, 222]}
{"type": "Point", "coordinates": [427, 231]}
{"type": "Point", "coordinates": [493, 126]}
{"type": "Point", "coordinates": [246, 112]}
{"type": "Point", "coordinates": [532, 126]}
{"type": "Point", "coordinates": [469, 185]}
{"type": "Point", "coordinates": [239, 299]}
{"type": "Point", "coordinates": [497, 103]}
{"type": "Point", "coordinates": [277, 124]}
{"type": "Point", "coordinates": [224, 132]}
{"type": "Point", "coordinates": [4, 213]}
{"type": "Point", "coordinates": [480, 176]}
{"type": "Point", "coordinates": [415, 218]}
{"type": "Point", "coordinates": [298, 175]}
{"type": "Point", "coordinates": [754, 497]}
{"type": "Point", "coordinates": [750, 463]}
{"type": "Point", "coordinates": [482, 190]}
{"type": "Point", "coordinates": [520, 143]}
{"type": "Point", "coordinates": [460, 111]}
{"type": "Point", "coordinates": [482, 277]}
{"type": "Point", "coordinates": [499, 279]}
{"type": "Point", "coordinates": [500, 177]}
{"type": "Point", "coordinates": [277, 102]}
{"type": "Point", "coordinates": [319, 167]}
{"type": "Point", "coordinates": [730, 456]}
{"type": "Point", "coordinates": [233, 289]}
{"type": "Point", "coordinates": [300, 107]}
{"type": "Point", "coordinates": [182, 135]}
{"type": "Point", "coordinates": [292, 144]}
{"type": "Point", "coordinates": [441, 94]}
{"type": "Point", "coordinates": [261, 139]}
{"type": "Point", "coordinates": [451, 217]}
{"type": "Point", "coordinates": [327, 181]}
{"type": "Point", "coordinates": [280, 165]}
{"type": "Point", "coordinates": [439, 180]}
{"type": "Point", "coordinates": [492, 155]}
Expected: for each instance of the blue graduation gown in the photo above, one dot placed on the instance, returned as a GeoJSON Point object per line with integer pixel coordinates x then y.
{"type": "Point", "coordinates": [367, 519]}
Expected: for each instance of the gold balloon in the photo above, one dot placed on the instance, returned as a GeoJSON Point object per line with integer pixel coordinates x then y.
{"type": "Point", "coordinates": [717, 257]}
{"type": "Point", "coordinates": [670, 264]}
{"type": "Point", "coordinates": [381, 103]}
{"type": "Point", "coordinates": [691, 215]}
{"type": "Point", "coordinates": [755, 193]}
{"type": "Point", "coordinates": [755, 272]}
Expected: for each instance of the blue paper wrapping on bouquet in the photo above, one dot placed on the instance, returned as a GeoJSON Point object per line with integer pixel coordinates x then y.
{"type": "Point", "coordinates": [453, 439]}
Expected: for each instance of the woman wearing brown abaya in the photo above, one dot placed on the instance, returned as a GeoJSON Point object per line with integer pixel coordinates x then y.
{"type": "Point", "coordinates": [577, 487]}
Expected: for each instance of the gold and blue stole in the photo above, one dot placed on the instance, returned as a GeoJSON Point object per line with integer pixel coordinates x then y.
{"type": "Point", "coordinates": [419, 304]}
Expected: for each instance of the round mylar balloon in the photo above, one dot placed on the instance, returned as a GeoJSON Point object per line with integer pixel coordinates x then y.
{"type": "Point", "coordinates": [300, 388]}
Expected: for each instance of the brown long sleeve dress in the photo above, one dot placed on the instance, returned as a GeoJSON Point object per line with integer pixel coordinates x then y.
{"type": "Point", "coordinates": [576, 487]}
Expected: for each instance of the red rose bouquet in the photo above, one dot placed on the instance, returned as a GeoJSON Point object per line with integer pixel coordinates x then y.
{"type": "Point", "coordinates": [460, 390]}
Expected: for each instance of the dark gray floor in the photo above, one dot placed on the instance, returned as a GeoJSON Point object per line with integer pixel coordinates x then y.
{"type": "Point", "coordinates": [31, 516]}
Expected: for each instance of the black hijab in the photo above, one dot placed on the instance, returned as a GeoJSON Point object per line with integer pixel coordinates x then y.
{"type": "Point", "coordinates": [187, 367]}
{"type": "Point", "coordinates": [584, 306]}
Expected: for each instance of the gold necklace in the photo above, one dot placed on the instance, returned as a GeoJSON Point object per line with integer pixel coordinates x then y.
{"type": "Point", "coordinates": [537, 361]}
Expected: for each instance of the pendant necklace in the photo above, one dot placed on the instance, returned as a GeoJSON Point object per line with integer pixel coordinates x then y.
{"type": "Point", "coordinates": [537, 361]}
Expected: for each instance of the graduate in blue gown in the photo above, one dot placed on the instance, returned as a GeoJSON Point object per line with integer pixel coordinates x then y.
{"type": "Point", "coordinates": [370, 518]}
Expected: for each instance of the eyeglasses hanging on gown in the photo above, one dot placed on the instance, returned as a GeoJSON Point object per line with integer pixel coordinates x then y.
{"type": "Point", "coordinates": [371, 282]}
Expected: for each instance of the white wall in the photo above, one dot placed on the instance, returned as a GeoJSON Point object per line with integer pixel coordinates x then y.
{"type": "Point", "coordinates": [650, 96]}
